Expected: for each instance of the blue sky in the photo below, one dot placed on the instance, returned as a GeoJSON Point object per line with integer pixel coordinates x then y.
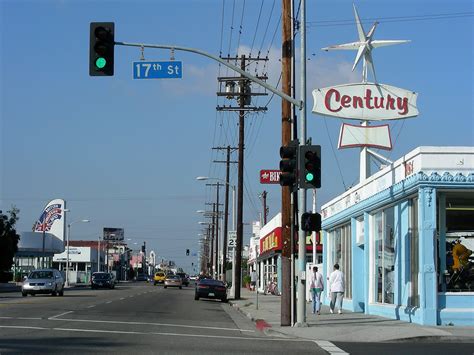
{"type": "Point", "coordinates": [125, 153]}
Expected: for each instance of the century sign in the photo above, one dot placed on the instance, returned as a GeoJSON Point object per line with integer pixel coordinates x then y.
{"type": "Point", "coordinates": [365, 101]}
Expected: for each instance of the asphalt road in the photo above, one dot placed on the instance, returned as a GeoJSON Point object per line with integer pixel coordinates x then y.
{"type": "Point", "coordinates": [139, 318]}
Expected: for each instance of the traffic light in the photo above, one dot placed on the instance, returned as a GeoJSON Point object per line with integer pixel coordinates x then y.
{"type": "Point", "coordinates": [187, 252]}
{"type": "Point", "coordinates": [288, 165]}
{"type": "Point", "coordinates": [311, 222]}
{"type": "Point", "coordinates": [101, 49]}
{"type": "Point", "coordinates": [310, 166]}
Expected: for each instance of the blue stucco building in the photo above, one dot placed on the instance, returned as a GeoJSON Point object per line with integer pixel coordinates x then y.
{"type": "Point", "coordinates": [404, 239]}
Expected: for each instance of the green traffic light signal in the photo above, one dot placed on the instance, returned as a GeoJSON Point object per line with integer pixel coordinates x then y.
{"type": "Point", "coordinates": [100, 62]}
{"type": "Point", "coordinates": [309, 177]}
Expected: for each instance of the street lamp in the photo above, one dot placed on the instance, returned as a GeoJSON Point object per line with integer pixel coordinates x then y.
{"type": "Point", "coordinates": [67, 245]}
{"type": "Point", "coordinates": [226, 220]}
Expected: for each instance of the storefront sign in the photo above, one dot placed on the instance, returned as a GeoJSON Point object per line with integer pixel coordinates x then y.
{"type": "Point", "coordinates": [365, 101]}
{"type": "Point", "coordinates": [270, 176]}
{"type": "Point", "coordinates": [271, 241]}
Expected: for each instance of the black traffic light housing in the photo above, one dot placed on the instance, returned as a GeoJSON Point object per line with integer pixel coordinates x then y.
{"type": "Point", "coordinates": [101, 49]}
{"type": "Point", "coordinates": [310, 222]}
{"type": "Point", "coordinates": [310, 166]}
{"type": "Point", "coordinates": [289, 165]}
{"type": "Point", "coordinates": [187, 252]}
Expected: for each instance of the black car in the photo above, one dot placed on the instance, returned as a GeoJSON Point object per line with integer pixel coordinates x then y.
{"type": "Point", "coordinates": [184, 278]}
{"type": "Point", "coordinates": [210, 288]}
{"type": "Point", "coordinates": [102, 279]}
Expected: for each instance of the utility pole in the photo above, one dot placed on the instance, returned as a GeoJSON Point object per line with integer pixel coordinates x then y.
{"type": "Point", "coordinates": [264, 201]}
{"type": "Point", "coordinates": [244, 95]}
{"type": "Point", "coordinates": [285, 139]}
{"type": "Point", "coordinates": [226, 208]}
{"type": "Point", "coordinates": [212, 238]}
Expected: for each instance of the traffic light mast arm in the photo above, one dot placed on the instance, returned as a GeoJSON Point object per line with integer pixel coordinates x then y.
{"type": "Point", "coordinates": [297, 103]}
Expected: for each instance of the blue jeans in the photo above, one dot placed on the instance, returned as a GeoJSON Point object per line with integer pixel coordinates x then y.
{"type": "Point", "coordinates": [316, 295]}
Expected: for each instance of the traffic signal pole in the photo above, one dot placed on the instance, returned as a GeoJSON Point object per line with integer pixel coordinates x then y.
{"type": "Point", "coordinates": [301, 269]}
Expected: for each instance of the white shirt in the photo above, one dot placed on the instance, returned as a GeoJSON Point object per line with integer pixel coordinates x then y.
{"type": "Point", "coordinates": [316, 280]}
{"type": "Point", "coordinates": [336, 281]}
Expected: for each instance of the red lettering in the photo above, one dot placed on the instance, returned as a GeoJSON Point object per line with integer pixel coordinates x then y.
{"type": "Point", "coordinates": [390, 103]}
{"type": "Point", "coordinates": [368, 97]}
{"type": "Point", "coordinates": [402, 104]}
{"type": "Point", "coordinates": [346, 101]}
{"type": "Point", "coordinates": [357, 102]}
{"type": "Point", "coordinates": [327, 101]}
{"type": "Point", "coordinates": [378, 102]}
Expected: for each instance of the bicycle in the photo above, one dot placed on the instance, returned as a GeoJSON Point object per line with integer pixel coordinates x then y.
{"type": "Point", "coordinates": [271, 289]}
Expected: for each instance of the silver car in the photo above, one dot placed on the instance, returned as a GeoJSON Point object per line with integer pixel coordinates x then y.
{"type": "Point", "coordinates": [43, 281]}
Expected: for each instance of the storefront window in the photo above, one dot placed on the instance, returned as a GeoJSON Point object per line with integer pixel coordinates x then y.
{"type": "Point", "coordinates": [459, 274]}
{"type": "Point", "coordinates": [384, 256]}
{"type": "Point", "coordinates": [342, 255]}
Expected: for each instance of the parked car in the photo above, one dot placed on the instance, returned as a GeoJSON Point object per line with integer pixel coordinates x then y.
{"type": "Point", "coordinates": [43, 281]}
{"type": "Point", "coordinates": [143, 277]}
{"type": "Point", "coordinates": [184, 278]}
{"type": "Point", "coordinates": [210, 288]}
{"type": "Point", "coordinates": [159, 278]}
{"type": "Point", "coordinates": [173, 281]}
{"type": "Point", "coordinates": [102, 279]}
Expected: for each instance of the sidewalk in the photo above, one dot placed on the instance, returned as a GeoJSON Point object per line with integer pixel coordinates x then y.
{"type": "Point", "coordinates": [346, 327]}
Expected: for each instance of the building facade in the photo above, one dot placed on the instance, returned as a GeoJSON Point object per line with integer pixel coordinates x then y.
{"type": "Point", "coordinates": [404, 239]}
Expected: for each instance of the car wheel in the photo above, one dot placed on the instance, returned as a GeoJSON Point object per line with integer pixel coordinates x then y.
{"type": "Point", "coordinates": [165, 286]}
{"type": "Point", "coordinates": [33, 294]}
{"type": "Point", "coordinates": [196, 297]}
{"type": "Point", "coordinates": [154, 283]}
{"type": "Point", "coordinates": [61, 293]}
{"type": "Point", "coordinates": [24, 294]}
{"type": "Point", "coordinates": [180, 287]}
{"type": "Point", "coordinates": [54, 293]}
{"type": "Point", "coordinates": [224, 300]}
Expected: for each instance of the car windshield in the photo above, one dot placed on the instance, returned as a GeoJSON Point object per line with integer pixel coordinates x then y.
{"type": "Point", "coordinates": [160, 274]}
{"type": "Point", "coordinates": [41, 275]}
{"type": "Point", "coordinates": [100, 276]}
{"type": "Point", "coordinates": [211, 282]}
{"type": "Point", "coordinates": [173, 277]}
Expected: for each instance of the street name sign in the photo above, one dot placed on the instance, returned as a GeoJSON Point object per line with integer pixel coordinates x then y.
{"type": "Point", "coordinates": [158, 70]}
{"type": "Point", "coordinates": [270, 176]}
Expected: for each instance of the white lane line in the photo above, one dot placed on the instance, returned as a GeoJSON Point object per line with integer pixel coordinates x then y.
{"type": "Point", "coordinates": [154, 333]}
{"type": "Point", "coordinates": [157, 324]}
{"type": "Point", "coordinates": [329, 347]}
{"type": "Point", "coordinates": [22, 318]}
{"type": "Point", "coordinates": [108, 302]}
{"type": "Point", "coordinates": [59, 315]}
{"type": "Point", "coordinates": [122, 298]}
{"type": "Point", "coordinates": [92, 306]}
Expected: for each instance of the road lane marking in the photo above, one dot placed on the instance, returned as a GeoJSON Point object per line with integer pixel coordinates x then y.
{"type": "Point", "coordinates": [92, 306]}
{"type": "Point", "coordinates": [108, 302]}
{"type": "Point", "coordinates": [22, 318]}
{"type": "Point", "coordinates": [329, 347]}
{"type": "Point", "coordinates": [154, 333]}
{"type": "Point", "coordinates": [146, 323]}
{"type": "Point", "coordinates": [59, 315]}
{"type": "Point", "coordinates": [122, 298]}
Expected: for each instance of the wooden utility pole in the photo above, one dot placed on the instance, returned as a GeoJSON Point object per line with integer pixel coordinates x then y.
{"type": "Point", "coordinates": [244, 95]}
{"type": "Point", "coordinates": [226, 207]}
{"type": "Point", "coordinates": [286, 114]}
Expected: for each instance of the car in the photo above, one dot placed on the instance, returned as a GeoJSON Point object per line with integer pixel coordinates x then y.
{"type": "Point", "coordinates": [102, 280]}
{"type": "Point", "coordinates": [143, 277]}
{"type": "Point", "coordinates": [44, 281]}
{"type": "Point", "coordinates": [210, 288]}
{"type": "Point", "coordinates": [193, 277]}
{"type": "Point", "coordinates": [184, 278]}
{"type": "Point", "coordinates": [159, 278]}
{"type": "Point", "coordinates": [173, 281]}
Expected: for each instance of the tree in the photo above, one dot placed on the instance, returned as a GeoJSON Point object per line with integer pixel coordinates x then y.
{"type": "Point", "coordinates": [8, 241]}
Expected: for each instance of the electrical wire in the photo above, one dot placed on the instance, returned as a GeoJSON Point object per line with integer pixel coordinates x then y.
{"type": "Point", "coordinates": [335, 156]}
{"type": "Point", "coordinates": [256, 28]}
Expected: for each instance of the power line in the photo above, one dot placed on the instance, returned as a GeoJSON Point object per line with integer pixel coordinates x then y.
{"type": "Point", "coordinates": [329, 23]}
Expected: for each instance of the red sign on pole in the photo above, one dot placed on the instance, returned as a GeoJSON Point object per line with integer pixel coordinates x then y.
{"type": "Point", "coordinates": [270, 176]}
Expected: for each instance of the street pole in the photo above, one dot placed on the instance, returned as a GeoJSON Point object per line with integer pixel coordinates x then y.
{"type": "Point", "coordinates": [301, 288]}
{"type": "Point", "coordinates": [240, 189]}
{"type": "Point", "coordinates": [98, 255]}
{"type": "Point", "coordinates": [67, 253]}
{"type": "Point", "coordinates": [217, 232]}
{"type": "Point", "coordinates": [285, 305]}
